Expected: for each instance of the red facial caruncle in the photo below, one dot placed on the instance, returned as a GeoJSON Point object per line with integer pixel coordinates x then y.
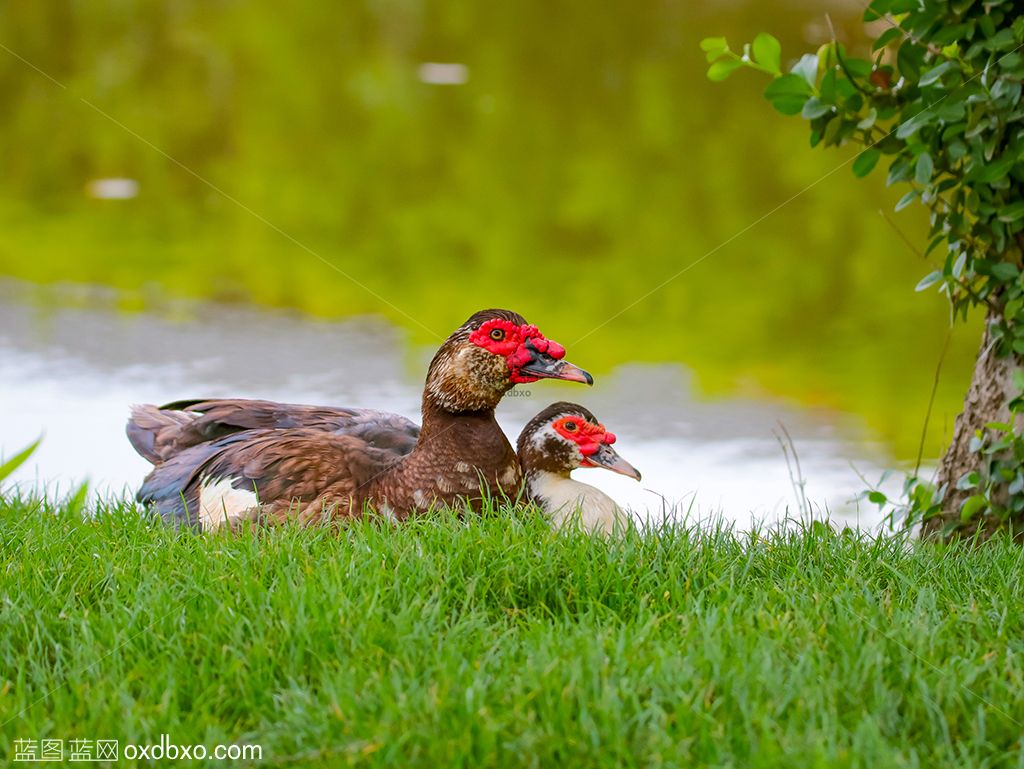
{"type": "Point", "coordinates": [588, 436]}
{"type": "Point", "coordinates": [517, 344]}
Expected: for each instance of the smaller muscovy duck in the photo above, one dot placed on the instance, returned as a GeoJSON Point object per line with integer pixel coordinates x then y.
{"type": "Point", "coordinates": [560, 439]}
{"type": "Point", "coordinates": [221, 462]}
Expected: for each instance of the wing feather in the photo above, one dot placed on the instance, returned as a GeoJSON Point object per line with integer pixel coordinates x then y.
{"type": "Point", "coordinates": [159, 433]}
{"type": "Point", "coordinates": [302, 468]}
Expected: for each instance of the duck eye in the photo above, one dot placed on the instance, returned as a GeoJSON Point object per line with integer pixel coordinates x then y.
{"type": "Point", "coordinates": [570, 427]}
{"type": "Point", "coordinates": [497, 334]}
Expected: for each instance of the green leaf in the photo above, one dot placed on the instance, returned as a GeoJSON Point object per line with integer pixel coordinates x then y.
{"type": "Point", "coordinates": [899, 171]}
{"type": "Point", "coordinates": [909, 127]}
{"type": "Point", "coordinates": [968, 480]}
{"type": "Point", "coordinates": [767, 52]}
{"type": "Point", "coordinates": [906, 200]}
{"type": "Point", "coordinates": [877, 497]}
{"type": "Point", "coordinates": [959, 264]}
{"type": "Point", "coordinates": [935, 243]}
{"type": "Point", "coordinates": [935, 73]}
{"type": "Point", "coordinates": [831, 134]}
{"type": "Point", "coordinates": [865, 162]}
{"type": "Point", "coordinates": [12, 464]}
{"type": "Point", "coordinates": [868, 120]}
{"type": "Point", "coordinates": [788, 85]}
{"type": "Point", "coordinates": [1017, 486]}
{"type": "Point", "coordinates": [972, 505]}
{"type": "Point", "coordinates": [788, 93]}
{"type": "Point", "coordinates": [877, 9]}
{"type": "Point", "coordinates": [722, 68]}
{"type": "Point", "coordinates": [991, 172]}
{"type": "Point", "coordinates": [827, 87]}
{"type": "Point", "coordinates": [1004, 271]}
{"type": "Point", "coordinates": [789, 105]}
{"type": "Point", "coordinates": [715, 47]}
{"type": "Point", "coordinates": [923, 169]}
{"type": "Point", "coordinates": [807, 68]}
{"type": "Point", "coordinates": [713, 44]}
{"type": "Point", "coordinates": [813, 108]}
{"type": "Point", "coordinates": [1004, 38]}
{"type": "Point", "coordinates": [886, 37]}
{"type": "Point", "coordinates": [928, 280]}
{"type": "Point", "coordinates": [1013, 212]}
{"type": "Point", "coordinates": [909, 58]}
{"type": "Point", "coordinates": [860, 68]}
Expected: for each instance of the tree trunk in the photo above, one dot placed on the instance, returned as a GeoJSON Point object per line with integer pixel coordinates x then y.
{"type": "Point", "coordinates": [987, 401]}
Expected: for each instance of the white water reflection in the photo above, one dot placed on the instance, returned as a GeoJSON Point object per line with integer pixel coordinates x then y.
{"type": "Point", "coordinates": [72, 373]}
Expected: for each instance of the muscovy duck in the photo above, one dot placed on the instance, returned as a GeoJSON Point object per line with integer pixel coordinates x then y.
{"type": "Point", "coordinates": [224, 461]}
{"type": "Point", "coordinates": [561, 438]}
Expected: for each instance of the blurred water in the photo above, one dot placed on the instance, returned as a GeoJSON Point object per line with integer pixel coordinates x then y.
{"type": "Point", "coordinates": [575, 165]}
{"type": "Point", "coordinates": [73, 371]}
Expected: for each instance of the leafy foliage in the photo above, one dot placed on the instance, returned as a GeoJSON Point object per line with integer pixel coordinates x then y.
{"type": "Point", "coordinates": [940, 99]}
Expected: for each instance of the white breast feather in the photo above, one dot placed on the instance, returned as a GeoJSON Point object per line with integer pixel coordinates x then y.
{"type": "Point", "coordinates": [220, 503]}
{"type": "Point", "coordinates": [566, 500]}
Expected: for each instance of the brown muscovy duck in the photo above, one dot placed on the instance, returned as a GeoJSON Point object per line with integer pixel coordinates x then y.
{"type": "Point", "coordinates": [560, 439]}
{"type": "Point", "coordinates": [224, 461]}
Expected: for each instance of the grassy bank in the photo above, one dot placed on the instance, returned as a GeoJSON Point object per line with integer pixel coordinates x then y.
{"type": "Point", "coordinates": [498, 644]}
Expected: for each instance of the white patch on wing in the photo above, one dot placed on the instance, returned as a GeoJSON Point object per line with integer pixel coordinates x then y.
{"type": "Point", "coordinates": [421, 499]}
{"type": "Point", "coordinates": [565, 500]}
{"type": "Point", "coordinates": [220, 503]}
{"type": "Point", "coordinates": [444, 485]}
{"type": "Point", "coordinates": [462, 467]}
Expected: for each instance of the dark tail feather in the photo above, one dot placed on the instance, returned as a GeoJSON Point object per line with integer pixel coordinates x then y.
{"type": "Point", "coordinates": [182, 405]}
{"type": "Point", "coordinates": [169, 489]}
{"type": "Point", "coordinates": [172, 487]}
{"type": "Point", "coordinates": [151, 431]}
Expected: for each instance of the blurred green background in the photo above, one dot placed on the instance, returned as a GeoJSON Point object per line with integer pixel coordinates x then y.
{"type": "Point", "coordinates": [583, 160]}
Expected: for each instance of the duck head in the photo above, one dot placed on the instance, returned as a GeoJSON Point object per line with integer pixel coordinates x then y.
{"type": "Point", "coordinates": [565, 436]}
{"type": "Point", "coordinates": [488, 355]}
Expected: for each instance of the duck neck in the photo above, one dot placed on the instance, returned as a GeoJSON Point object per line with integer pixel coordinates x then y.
{"type": "Point", "coordinates": [471, 437]}
{"type": "Point", "coordinates": [438, 420]}
{"type": "Point", "coordinates": [564, 499]}
{"type": "Point", "coordinates": [541, 484]}
{"type": "Point", "coordinates": [456, 454]}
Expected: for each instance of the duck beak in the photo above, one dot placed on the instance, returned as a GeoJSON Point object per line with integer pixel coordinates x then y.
{"type": "Point", "coordinates": [609, 459]}
{"type": "Point", "coordinates": [545, 366]}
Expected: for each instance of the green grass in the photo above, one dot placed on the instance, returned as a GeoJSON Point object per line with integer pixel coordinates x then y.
{"type": "Point", "coordinates": [497, 643]}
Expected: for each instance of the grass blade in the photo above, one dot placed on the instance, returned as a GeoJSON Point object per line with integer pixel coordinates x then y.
{"type": "Point", "coordinates": [7, 468]}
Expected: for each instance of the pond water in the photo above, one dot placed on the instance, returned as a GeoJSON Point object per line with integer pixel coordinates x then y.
{"type": "Point", "coordinates": [72, 373]}
{"type": "Point", "coordinates": [385, 167]}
